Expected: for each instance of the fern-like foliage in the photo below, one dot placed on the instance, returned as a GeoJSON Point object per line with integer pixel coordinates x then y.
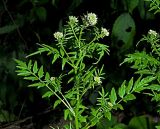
{"type": "Point", "coordinates": [147, 64]}
{"type": "Point", "coordinates": [109, 101]}
{"type": "Point", "coordinates": [72, 50]}
{"type": "Point", "coordinates": [154, 6]}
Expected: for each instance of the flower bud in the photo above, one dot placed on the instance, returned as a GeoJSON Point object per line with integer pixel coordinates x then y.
{"type": "Point", "coordinates": [104, 32]}
{"type": "Point", "coordinates": [73, 20]}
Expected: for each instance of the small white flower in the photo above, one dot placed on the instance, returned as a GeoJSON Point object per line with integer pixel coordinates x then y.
{"type": "Point", "coordinates": [152, 32]}
{"type": "Point", "coordinates": [58, 35]}
{"type": "Point", "coordinates": [73, 19]}
{"type": "Point", "coordinates": [91, 19]}
{"type": "Point", "coordinates": [98, 80]}
{"type": "Point", "coordinates": [52, 78]}
{"type": "Point", "coordinates": [104, 32]}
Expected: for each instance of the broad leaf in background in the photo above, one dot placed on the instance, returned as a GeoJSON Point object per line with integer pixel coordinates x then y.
{"type": "Point", "coordinates": [123, 33]}
{"type": "Point", "coordinates": [140, 122]}
{"type": "Point", "coordinates": [7, 29]}
{"type": "Point", "coordinates": [130, 5]}
{"type": "Point", "coordinates": [41, 13]}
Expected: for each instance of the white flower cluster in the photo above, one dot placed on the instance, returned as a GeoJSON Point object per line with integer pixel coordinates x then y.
{"type": "Point", "coordinates": [152, 32]}
{"type": "Point", "coordinates": [73, 20]}
{"type": "Point", "coordinates": [91, 19]}
{"type": "Point", "coordinates": [104, 32]}
{"type": "Point", "coordinates": [97, 79]}
{"type": "Point", "coordinates": [58, 35]}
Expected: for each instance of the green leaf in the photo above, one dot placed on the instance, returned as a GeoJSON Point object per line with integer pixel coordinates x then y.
{"type": "Point", "coordinates": [57, 102]}
{"type": "Point", "coordinates": [82, 119]}
{"type": "Point", "coordinates": [140, 122]}
{"type": "Point", "coordinates": [23, 73]}
{"type": "Point", "coordinates": [130, 85]}
{"type": "Point", "coordinates": [113, 96]}
{"type": "Point", "coordinates": [129, 97]}
{"type": "Point", "coordinates": [35, 67]}
{"type": "Point", "coordinates": [120, 126]}
{"type": "Point", "coordinates": [157, 127]}
{"type": "Point", "coordinates": [132, 4]}
{"type": "Point", "coordinates": [40, 50]}
{"type": "Point", "coordinates": [40, 72]}
{"type": "Point", "coordinates": [61, 52]}
{"type": "Point", "coordinates": [41, 13]}
{"type": "Point", "coordinates": [30, 65]}
{"type": "Point", "coordinates": [64, 60]}
{"type": "Point", "coordinates": [154, 87]}
{"type": "Point", "coordinates": [70, 80]}
{"type": "Point", "coordinates": [66, 113]}
{"type": "Point", "coordinates": [107, 114]}
{"type": "Point", "coordinates": [122, 90]}
{"type": "Point", "coordinates": [71, 71]}
{"type": "Point", "coordinates": [118, 106]}
{"type": "Point", "coordinates": [7, 29]}
{"type": "Point", "coordinates": [141, 84]}
{"type": "Point", "coordinates": [55, 57]}
{"type": "Point", "coordinates": [47, 94]}
{"type": "Point", "coordinates": [123, 32]}
{"type": "Point", "coordinates": [144, 71]}
{"type": "Point", "coordinates": [32, 78]}
{"type": "Point", "coordinates": [88, 75]}
{"type": "Point", "coordinates": [39, 84]}
{"type": "Point", "coordinates": [47, 76]}
{"type": "Point", "coordinates": [21, 64]}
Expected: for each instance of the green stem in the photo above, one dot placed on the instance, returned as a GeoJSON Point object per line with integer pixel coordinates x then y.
{"type": "Point", "coordinates": [65, 103]}
{"type": "Point", "coordinates": [88, 125]}
{"type": "Point", "coordinates": [74, 32]}
{"type": "Point", "coordinates": [76, 115]}
{"type": "Point", "coordinates": [77, 104]}
{"type": "Point", "coordinates": [77, 39]}
{"type": "Point", "coordinates": [71, 109]}
{"type": "Point", "coordinates": [71, 64]}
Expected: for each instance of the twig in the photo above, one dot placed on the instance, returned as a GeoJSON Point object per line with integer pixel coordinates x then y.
{"type": "Point", "coordinates": [18, 31]}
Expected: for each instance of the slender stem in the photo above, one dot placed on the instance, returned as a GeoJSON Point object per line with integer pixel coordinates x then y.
{"type": "Point", "coordinates": [80, 34]}
{"type": "Point", "coordinates": [76, 115]}
{"type": "Point", "coordinates": [77, 100]}
{"type": "Point", "coordinates": [71, 64]}
{"type": "Point", "coordinates": [12, 19]}
{"type": "Point", "coordinates": [65, 103]}
{"type": "Point", "coordinates": [74, 32]}
{"type": "Point", "coordinates": [88, 125]}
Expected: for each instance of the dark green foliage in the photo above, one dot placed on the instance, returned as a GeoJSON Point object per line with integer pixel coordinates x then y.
{"type": "Point", "coordinates": [24, 23]}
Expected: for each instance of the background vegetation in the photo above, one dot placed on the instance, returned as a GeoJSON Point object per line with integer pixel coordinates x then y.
{"type": "Point", "coordinates": [23, 23]}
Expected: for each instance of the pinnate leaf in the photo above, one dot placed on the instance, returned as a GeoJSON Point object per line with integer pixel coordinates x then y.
{"type": "Point", "coordinates": [35, 67]}
{"type": "Point", "coordinates": [130, 85]}
{"type": "Point", "coordinates": [57, 102]}
{"type": "Point", "coordinates": [122, 90]}
{"type": "Point", "coordinates": [113, 96]}
{"type": "Point", "coordinates": [129, 97]}
{"type": "Point", "coordinates": [47, 76]}
{"type": "Point", "coordinates": [39, 84]}
{"type": "Point", "coordinates": [32, 78]}
{"type": "Point", "coordinates": [40, 72]}
{"type": "Point", "coordinates": [47, 94]}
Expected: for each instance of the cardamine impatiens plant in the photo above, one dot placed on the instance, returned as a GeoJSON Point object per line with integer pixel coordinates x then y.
{"type": "Point", "coordinates": [79, 51]}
